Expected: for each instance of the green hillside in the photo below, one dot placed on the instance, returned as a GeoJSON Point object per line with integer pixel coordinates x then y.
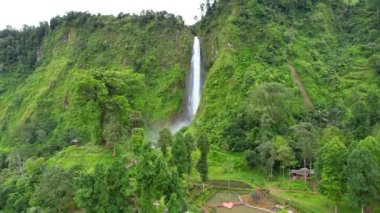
{"type": "Point", "coordinates": [91, 75]}
{"type": "Point", "coordinates": [288, 84]}
{"type": "Point", "coordinates": [332, 46]}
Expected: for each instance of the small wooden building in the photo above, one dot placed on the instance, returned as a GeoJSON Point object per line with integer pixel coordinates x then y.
{"type": "Point", "coordinates": [75, 142]}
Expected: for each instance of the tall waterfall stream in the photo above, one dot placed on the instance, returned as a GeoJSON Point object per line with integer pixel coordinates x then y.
{"type": "Point", "coordinates": [193, 90]}
{"type": "Point", "coordinates": [193, 94]}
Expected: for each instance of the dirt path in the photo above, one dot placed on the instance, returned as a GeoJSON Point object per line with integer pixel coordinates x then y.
{"type": "Point", "coordinates": [306, 100]}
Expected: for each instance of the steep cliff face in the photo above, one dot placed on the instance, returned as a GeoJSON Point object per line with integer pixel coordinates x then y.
{"type": "Point", "coordinates": [91, 78]}
{"type": "Point", "coordinates": [332, 46]}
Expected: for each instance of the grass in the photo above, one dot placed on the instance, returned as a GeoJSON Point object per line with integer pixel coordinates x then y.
{"type": "Point", "coordinates": [291, 185]}
{"type": "Point", "coordinates": [231, 166]}
{"type": "Point", "coordinates": [86, 156]}
{"type": "Point", "coordinates": [313, 202]}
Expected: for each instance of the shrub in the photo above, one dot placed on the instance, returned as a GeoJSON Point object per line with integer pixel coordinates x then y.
{"type": "Point", "coordinates": [375, 63]}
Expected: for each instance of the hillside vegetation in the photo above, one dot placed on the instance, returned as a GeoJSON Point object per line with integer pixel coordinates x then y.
{"type": "Point", "coordinates": [287, 81]}
{"type": "Point", "coordinates": [92, 78]}
{"type": "Point", "coordinates": [249, 46]}
{"type": "Point", "coordinates": [288, 84]}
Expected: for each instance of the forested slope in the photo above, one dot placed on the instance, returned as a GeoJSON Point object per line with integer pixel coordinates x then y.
{"type": "Point", "coordinates": [85, 82]}
{"type": "Point", "coordinates": [295, 84]}
{"type": "Point", "coordinates": [92, 78]}
{"type": "Point", "coordinates": [250, 47]}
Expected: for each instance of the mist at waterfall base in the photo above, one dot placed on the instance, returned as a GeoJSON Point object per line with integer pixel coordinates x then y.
{"type": "Point", "coordinates": [192, 98]}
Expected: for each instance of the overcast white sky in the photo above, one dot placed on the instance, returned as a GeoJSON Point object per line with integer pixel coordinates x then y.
{"type": "Point", "coordinates": [19, 12]}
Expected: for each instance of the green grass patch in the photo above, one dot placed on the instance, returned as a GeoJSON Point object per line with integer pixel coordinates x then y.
{"type": "Point", "coordinates": [308, 202]}
{"type": "Point", "coordinates": [86, 156]}
{"type": "Point", "coordinates": [286, 184]}
{"type": "Point", "coordinates": [232, 166]}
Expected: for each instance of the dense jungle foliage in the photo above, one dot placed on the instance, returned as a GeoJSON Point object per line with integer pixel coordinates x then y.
{"type": "Point", "coordinates": [288, 84]}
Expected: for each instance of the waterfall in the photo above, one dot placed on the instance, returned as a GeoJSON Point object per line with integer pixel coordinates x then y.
{"type": "Point", "coordinates": [195, 78]}
{"type": "Point", "coordinates": [193, 89]}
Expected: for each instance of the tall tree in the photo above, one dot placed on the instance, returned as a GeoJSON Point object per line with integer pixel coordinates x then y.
{"type": "Point", "coordinates": [152, 177]}
{"type": "Point", "coordinates": [252, 158]}
{"type": "Point", "coordinates": [137, 140]}
{"type": "Point", "coordinates": [270, 102]}
{"type": "Point", "coordinates": [189, 141]}
{"type": "Point", "coordinates": [174, 196]}
{"type": "Point", "coordinates": [204, 147]}
{"type": "Point", "coordinates": [165, 140]}
{"type": "Point", "coordinates": [363, 173]}
{"type": "Point", "coordinates": [112, 131]}
{"type": "Point", "coordinates": [146, 202]}
{"type": "Point", "coordinates": [17, 192]}
{"type": "Point", "coordinates": [304, 140]}
{"type": "Point", "coordinates": [174, 204]}
{"type": "Point", "coordinates": [180, 154]}
{"type": "Point", "coordinates": [330, 133]}
{"type": "Point", "coordinates": [360, 121]}
{"type": "Point", "coordinates": [107, 189]}
{"type": "Point", "coordinates": [331, 162]}
{"type": "Point", "coordinates": [54, 192]}
{"type": "Point", "coordinates": [286, 157]}
{"type": "Point", "coordinates": [267, 156]}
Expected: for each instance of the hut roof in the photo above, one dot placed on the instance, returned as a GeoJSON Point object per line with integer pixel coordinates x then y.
{"type": "Point", "coordinates": [76, 140]}
{"type": "Point", "coordinates": [302, 172]}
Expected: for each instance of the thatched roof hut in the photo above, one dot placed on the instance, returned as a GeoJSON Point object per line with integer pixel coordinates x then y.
{"type": "Point", "coordinates": [75, 142]}
{"type": "Point", "coordinates": [302, 172]}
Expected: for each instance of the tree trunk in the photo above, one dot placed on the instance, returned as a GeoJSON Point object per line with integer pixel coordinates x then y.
{"type": "Point", "coordinates": [19, 165]}
{"type": "Point", "coordinates": [304, 175]}
{"type": "Point", "coordinates": [283, 171]}
{"type": "Point", "coordinates": [311, 163]}
{"type": "Point", "coordinates": [271, 168]}
{"type": "Point", "coordinates": [336, 208]}
{"type": "Point", "coordinates": [228, 183]}
{"type": "Point", "coordinates": [377, 13]}
{"type": "Point", "coordinates": [114, 151]}
{"type": "Point", "coordinates": [289, 178]}
{"type": "Point", "coordinates": [362, 208]}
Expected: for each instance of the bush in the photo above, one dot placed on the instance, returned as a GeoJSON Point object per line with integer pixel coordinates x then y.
{"type": "Point", "coordinates": [69, 134]}
{"type": "Point", "coordinates": [252, 158]}
{"type": "Point", "coordinates": [3, 161]}
{"type": "Point", "coordinates": [26, 133]}
{"type": "Point", "coordinates": [375, 63]}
